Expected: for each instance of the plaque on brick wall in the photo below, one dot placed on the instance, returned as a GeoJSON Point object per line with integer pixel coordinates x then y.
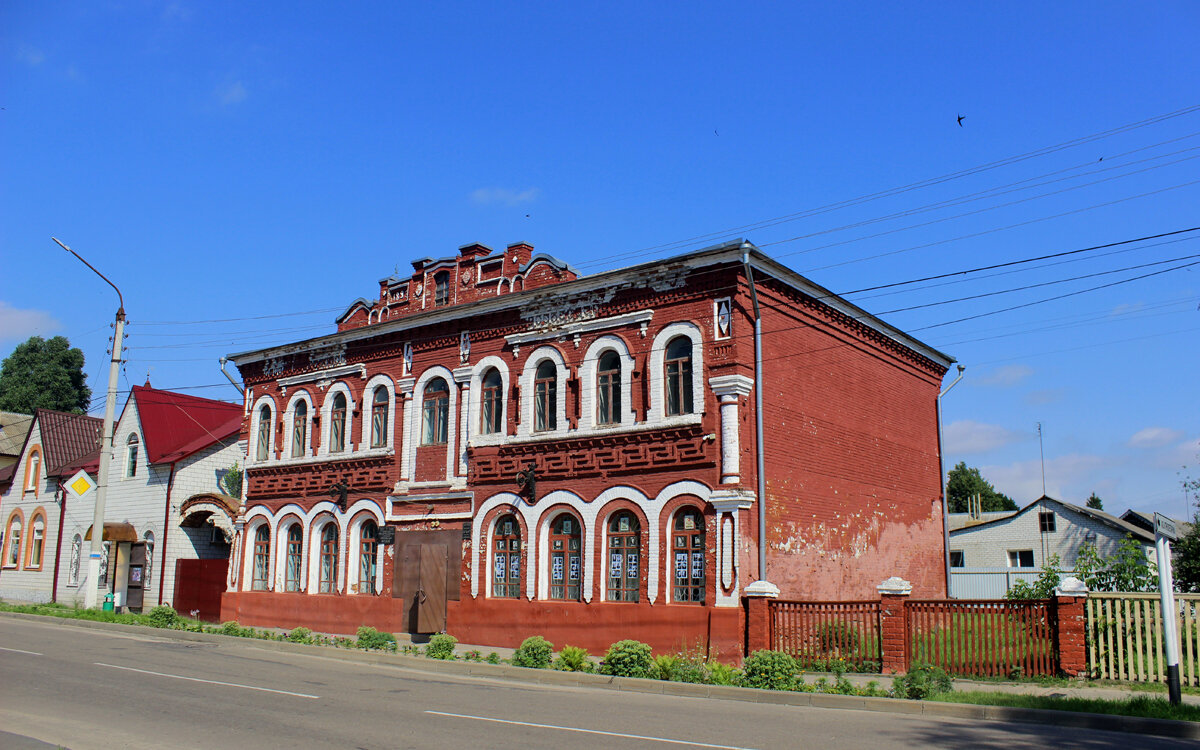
{"type": "Point", "coordinates": [387, 534]}
{"type": "Point", "coordinates": [467, 530]}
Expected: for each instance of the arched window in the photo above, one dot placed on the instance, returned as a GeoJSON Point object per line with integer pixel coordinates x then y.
{"type": "Point", "coordinates": [294, 562]}
{"type": "Point", "coordinates": [148, 538]}
{"type": "Point", "coordinates": [262, 558]}
{"type": "Point", "coordinates": [492, 410]}
{"type": "Point", "coordinates": [545, 396]}
{"type": "Point", "coordinates": [300, 429]}
{"type": "Point", "coordinates": [441, 288]}
{"type": "Point", "coordinates": [566, 565]}
{"type": "Point", "coordinates": [33, 470]}
{"type": "Point", "coordinates": [624, 557]}
{"type": "Point", "coordinates": [678, 373]}
{"type": "Point", "coordinates": [76, 559]}
{"type": "Point", "coordinates": [37, 541]}
{"type": "Point", "coordinates": [379, 417]}
{"type": "Point", "coordinates": [13, 555]}
{"type": "Point", "coordinates": [687, 553]}
{"type": "Point", "coordinates": [368, 550]}
{"type": "Point", "coordinates": [436, 408]}
{"type": "Point", "coordinates": [329, 559]}
{"type": "Point", "coordinates": [131, 455]}
{"type": "Point", "coordinates": [262, 444]}
{"type": "Point", "coordinates": [506, 564]}
{"type": "Point", "coordinates": [337, 424]}
{"type": "Point", "coordinates": [608, 388]}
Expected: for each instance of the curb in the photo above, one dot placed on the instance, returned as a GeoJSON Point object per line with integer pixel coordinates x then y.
{"type": "Point", "coordinates": [1074, 719]}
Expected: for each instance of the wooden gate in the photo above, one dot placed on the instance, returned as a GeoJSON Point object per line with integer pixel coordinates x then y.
{"type": "Point", "coordinates": [1125, 637]}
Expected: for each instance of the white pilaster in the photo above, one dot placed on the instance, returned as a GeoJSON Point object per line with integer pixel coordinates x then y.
{"type": "Point", "coordinates": [404, 386]}
{"type": "Point", "coordinates": [462, 376]}
{"type": "Point", "coordinates": [730, 388]}
{"type": "Point", "coordinates": [728, 504]}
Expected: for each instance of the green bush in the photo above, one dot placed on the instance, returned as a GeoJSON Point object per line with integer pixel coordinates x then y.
{"type": "Point", "coordinates": [162, 616]}
{"type": "Point", "coordinates": [724, 674]}
{"type": "Point", "coordinates": [473, 655]}
{"type": "Point", "coordinates": [300, 635]}
{"type": "Point", "coordinates": [772, 670]}
{"type": "Point", "coordinates": [627, 659]}
{"type": "Point", "coordinates": [441, 646]}
{"type": "Point", "coordinates": [370, 639]}
{"type": "Point", "coordinates": [922, 681]}
{"type": "Point", "coordinates": [231, 628]}
{"type": "Point", "coordinates": [573, 659]}
{"type": "Point", "coordinates": [663, 666]}
{"type": "Point", "coordinates": [534, 652]}
{"type": "Point", "coordinates": [493, 658]}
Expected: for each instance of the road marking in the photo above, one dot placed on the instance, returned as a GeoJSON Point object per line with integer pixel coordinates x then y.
{"type": "Point", "coordinates": [591, 731]}
{"type": "Point", "coordinates": [21, 651]}
{"type": "Point", "coordinates": [210, 682]}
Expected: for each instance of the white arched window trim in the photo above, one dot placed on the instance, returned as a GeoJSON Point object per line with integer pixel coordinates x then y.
{"type": "Point", "coordinates": [255, 417]}
{"type": "Point", "coordinates": [667, 530]}
{"type": "Point", "coordinates": [657, 413]}
{"type": "Point", "coordinates": [353, 564]}
{"type": "Point", "coordinates": [288, 517]}
{"type": "Point", "coordinates": [253, 524]}
{"type": "Point", "coordinates": [475, 409]}
{"type": "Point", "coordinates": [588, 373]}
{"type": "Point", "coordinates": [574, 506]}
{"type": "Point", "coordinates": [528, 375]}
{"type": "Point", "coordinates": [416, 414]}
{"type": "Point", "coordinates": [315, 531]}
{"type": "Point", "coordinates": [327, 420]}
{"type": "Point", "coordinates": [289, 427]}
{"type": "Point", "coordinates": [368, 400]}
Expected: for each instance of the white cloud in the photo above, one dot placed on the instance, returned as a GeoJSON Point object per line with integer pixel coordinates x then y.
{"type": "Point", "coordinates": [967, 437]}
{"type": "Point", "coordinates": [1006, 376]}
{"type": "Point", "coordinates": [1042, 397]}
{"type": "Point", "coordinates": [30, 56]}
{"type": "Point", "coordinates": [1022, 481]}
{"type": "Point", "coordinates": [505, 196]}
{"type": "Point", "coordinates": [18, 325]}
{"type": "Point", "coordinates": [1154, 437]}
{"type": "Point", "coordinates": [233, 93]}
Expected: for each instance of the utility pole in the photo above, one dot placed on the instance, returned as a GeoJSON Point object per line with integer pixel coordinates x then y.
{"type": "Point", "coordinates": [1042, 454]}
{"type": "Point", "coordinates": [91, 588]}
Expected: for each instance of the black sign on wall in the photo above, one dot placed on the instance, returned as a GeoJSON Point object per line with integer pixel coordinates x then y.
{"type": "Point", "coordinates": [467, 530]}
{"type": "Point", "coordinates": [387, 534]}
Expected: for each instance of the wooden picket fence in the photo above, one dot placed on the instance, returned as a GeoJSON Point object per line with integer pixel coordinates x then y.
{"type": "Point", "coordinates": [984, 637]}
{"type": "Point", "coordinates": [818, 633]}
{"type": "Point", "coordinates": [1125, 637]}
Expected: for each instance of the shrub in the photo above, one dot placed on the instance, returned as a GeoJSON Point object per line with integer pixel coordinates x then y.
{"type": "Point", "coordinates": [772, 670]}
{"type": "Point", "coordinates": [534, 652]}
{"type": "Point", "coordinates": [691, 670]}
{"type": "Point", "coordinates": [370, 639]}
{"type": "Point", "coordinates": [300, 635]}
{"type": "Point", "coordinates": [663, 666]}
{"type": "Point", "coordinates": [573, 659]}
{"type": "Point", "coordinates": [627, 659]}
{"type": "Point", "coordinates": [473, 655]}
{"type": "Point", "coordinates": [162, 616]}
{"type": "Point", "coordinates": [922, 681]}
{"type": "Point", "coordinates": [493, 658]}
{"type": "Point", "coordinates": [231, 627]}
{"type": "Point", "coordinates": [723, 674]}
{"type": "Point", "coordinates": [441, 646]}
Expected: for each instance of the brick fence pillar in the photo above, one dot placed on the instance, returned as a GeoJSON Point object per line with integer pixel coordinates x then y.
{"type": "Point", "coordinates": [758, 615]}
{"type": "Point", "coordinates": [893, 624]}
{"type": "Point", "coordinates": [1071, 633]}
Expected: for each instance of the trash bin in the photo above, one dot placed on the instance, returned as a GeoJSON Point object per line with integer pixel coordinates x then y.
{"type": "Point", "coordinates": [108, 603]}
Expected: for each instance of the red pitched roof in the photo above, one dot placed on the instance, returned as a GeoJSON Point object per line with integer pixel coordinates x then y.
{"type": "Point", "coordinates": [175, 425]}
{"type": "Point", "coordinates": [66, 438]}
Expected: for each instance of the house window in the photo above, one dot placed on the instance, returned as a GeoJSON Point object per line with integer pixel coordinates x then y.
{"type": "Point", "coordinates": [263, 441]}
{"type": "Point", "coordinates": [608, 389]}
{"type": "Point", "coordinates": [566, 565]}
{"type": "Point", "coordinates": [131, 456]}
{"type": "Point", "coordinates": [545, 396]}
{"type": "Point", "coordinates": [436, 413]}
{"type": "Point", "coordinates": [1020, 558]}
{"type": "Point", "coordinates": [506, 564]}
{"type": "Point", "coordinates": [337, 425]}
{"type": "Point", "coordinates": [441, 288]}
{"type": "Point", "coordinates": [624, 557]}
{"type": "Point", "coordinates": [368, 548]}
{"type": "Point", "coordinates": [262, 557]}
{"type": "Point", "coordinates": [33, 470]}
{"type": "Point", "coordinates": [493, 404]}
{"type": "Point", "coordinates": [687, 555]}
{"type": "Point", "coordinates": [295, 550]}
{"type": "Point", "coordinates": [13, 555]}
{"type": "Point", "coordinates": [299, 428]}
{"type": "Point", "coordinates": [957, 559]}
{"type": "Point", "coordinates": [678, 373]}
{"type": "Point", "coordinates": [379, 417]}
{"type": "Point", "coordinates": [37, 539]}
{"type": "Point", "coordinates": [1046, 522]}
{"type": "Point", "coordinates": [329, 559]}
{"type": "Point", "coordinates": [76, 559]}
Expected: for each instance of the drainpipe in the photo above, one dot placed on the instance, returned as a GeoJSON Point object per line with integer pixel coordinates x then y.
{"type": "Point", "coordinates": [60, 496]}
{"type": "Point", "coordinates": [758, 420]}
{"type": "Point", "coordinates": [162, 568]}
{"type": "Point", "coordinates": [241, 390]}
{"type": "Point", "coordinates": [942, 477]}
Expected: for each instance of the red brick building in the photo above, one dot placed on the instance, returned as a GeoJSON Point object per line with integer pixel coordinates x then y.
{"type": "Point", "coordinates": [499, 447]}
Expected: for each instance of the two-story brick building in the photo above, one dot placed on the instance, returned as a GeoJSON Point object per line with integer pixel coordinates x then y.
{"type": "Point", "coordinates": [499, 447]}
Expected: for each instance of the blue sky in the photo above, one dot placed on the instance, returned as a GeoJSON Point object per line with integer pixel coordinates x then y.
{"type": "Point", "coordinates": [228, 161]}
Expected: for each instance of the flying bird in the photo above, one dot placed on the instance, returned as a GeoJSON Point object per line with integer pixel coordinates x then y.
{"type": "Point", "coordinates": [960, 119]}
{"type": "Point", "coordinates": [715, 132]}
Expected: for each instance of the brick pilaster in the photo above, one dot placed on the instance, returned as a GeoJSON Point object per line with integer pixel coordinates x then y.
{"type": "Point", "coordinates": [893, 624]}
{"type": "Point", "coordinates": [758, 624]}
{"type": "Point", "coordinates": [1071, 636]}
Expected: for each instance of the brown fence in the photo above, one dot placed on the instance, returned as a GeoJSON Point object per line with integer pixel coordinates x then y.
{"type": "Point", "coordinates": [1125, 637]}
{"type": "Point", "coordinates": [983, 637]}
{"type": "Point", "coordinates": [817, 633]}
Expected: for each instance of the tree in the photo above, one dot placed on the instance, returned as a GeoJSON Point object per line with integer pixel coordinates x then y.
{"type": "Point", "coordinates": [1095, 502]}
{"type": "Point", "coordinates": [44, 374]}
{"type": "Point", "coordinates": [965, 482]}
{"type": "Point", "coordinates": [1043, 588]}
{"type": "Point", "coordinates": [1186, 561]}
{"type": "Point", "coordinates": [1126, 570]}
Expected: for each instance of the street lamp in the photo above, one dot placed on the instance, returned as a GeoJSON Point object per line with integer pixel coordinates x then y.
{"type": "Point", "coordinates": [106, 442]}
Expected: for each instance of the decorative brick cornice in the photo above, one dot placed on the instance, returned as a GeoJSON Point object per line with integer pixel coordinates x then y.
{"type": "Point", "coordinates": [364, 475]}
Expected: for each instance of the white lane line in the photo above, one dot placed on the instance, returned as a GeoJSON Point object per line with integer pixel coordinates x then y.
{"type": "Point", "coordinates": [210, 682]}
{"type": "Point", "coordinates": [591, 731]}
{"type": "Point", "coordinates": [21, 651]}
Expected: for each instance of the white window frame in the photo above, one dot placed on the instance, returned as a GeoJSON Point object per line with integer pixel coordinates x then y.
{"type": "Point", "coordinates": [133, 445]}
{"type": "Point", "coordinates": [1015, 555]}
{"type": "Point", "coordinates": [283, 525]}
{"type": "Point", "coordinates": [316, 530]}
{"type": "Point", "coordinates": [475, 408]}
{"type": "Point", "coordinates": [33, 474]}
{"type": "Point", "coordinates": [353, 562]}
{"type": "Point", "coordinates": [658, 398]}
{"type": "Point", "coordinates": [416, 417]}
{"type": "Point", "coordinates": [589, 371]}
{"type": "Point", "coordinates": [255, 421]}
{"type": "Point", "coordinates": [16, 523]}
{"type": "Point", "coordinates": [327, 421]}
{"type": "Point", "coordinates": [249, 533]}
{"type": "Point", "coordinates": [528, 376]}
{"type": "Point", "coordinates": [289, 428]}
{"type": "Point", "coordinates": [368, 403]}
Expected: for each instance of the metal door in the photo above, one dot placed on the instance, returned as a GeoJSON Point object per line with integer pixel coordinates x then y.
{"type": "Point", "coordinates": [431, 593]}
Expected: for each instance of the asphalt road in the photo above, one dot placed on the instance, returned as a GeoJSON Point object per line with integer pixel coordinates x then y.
{"type": "Point", "coordinates": [88, 688]}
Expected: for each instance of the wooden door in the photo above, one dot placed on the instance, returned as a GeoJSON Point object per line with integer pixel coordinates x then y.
{"type": "Point", "coordinates": [431, 595]}
{"type": "Point", "coordinates": [135, 581]}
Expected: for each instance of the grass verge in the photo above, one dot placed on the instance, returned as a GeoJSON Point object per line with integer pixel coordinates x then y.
{"type": "Point", "coordinates": [1139, 705]}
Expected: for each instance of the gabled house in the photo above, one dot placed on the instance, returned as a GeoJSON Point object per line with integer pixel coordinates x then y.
{"type": "Point", "coordinates": [13, 429]}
